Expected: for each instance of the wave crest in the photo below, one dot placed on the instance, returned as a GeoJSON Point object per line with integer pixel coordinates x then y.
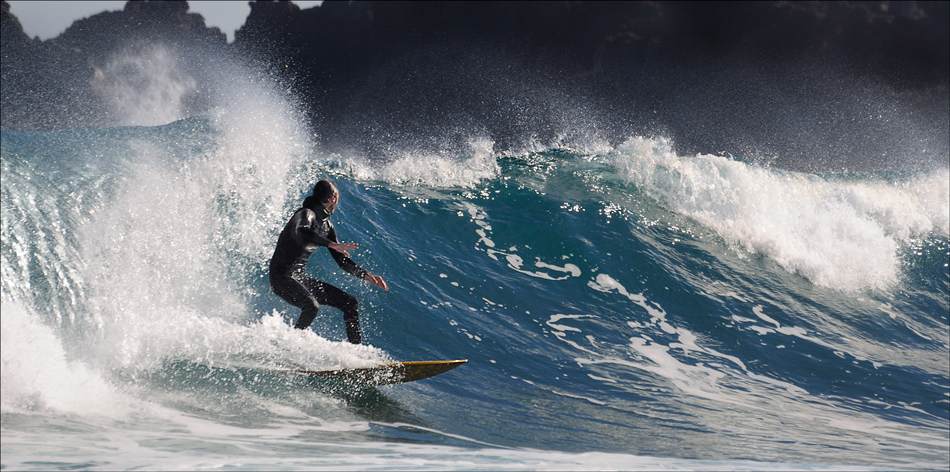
{"type": "Point", "coordinates": [839, 233]}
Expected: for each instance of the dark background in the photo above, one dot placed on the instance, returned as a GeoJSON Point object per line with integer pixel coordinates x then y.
{"type": "Point", "coordinates": [800, 85]}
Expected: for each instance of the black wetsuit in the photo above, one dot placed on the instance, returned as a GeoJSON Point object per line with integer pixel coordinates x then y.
{"type": "Point", "coordinates": [307, 230]}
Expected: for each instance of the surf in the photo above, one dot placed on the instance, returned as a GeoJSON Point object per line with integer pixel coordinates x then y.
{"type": "Point", "coordinates": [608, 298]}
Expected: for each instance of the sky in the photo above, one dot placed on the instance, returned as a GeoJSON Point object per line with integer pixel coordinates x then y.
{"type": "Point", "coordinates": [47, 19]}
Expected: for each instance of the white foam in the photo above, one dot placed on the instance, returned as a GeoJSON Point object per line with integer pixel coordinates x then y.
{"type": "Point", "coordinates": [698, 380]}
{"type": "Point", "coordinates": [515, 261]}
{"type": "Point", "coordinates": [838, 234]}
{"type": "Point", "coordinates": [38, 376]}
{"type": "Point", "coordinates": [696, 370]}
{"type": "Point", "coordinates": [552, 322]}
{"type": "Point", "coordinates": [431, 169]}
{"type": "Point", "coordinates": [606, 283]}
{"type": "Point", "coordinates": [265, 449]}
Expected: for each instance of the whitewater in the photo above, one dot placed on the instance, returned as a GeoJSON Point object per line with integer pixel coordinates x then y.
{"type": "Point", "coordinates": [621, 306]}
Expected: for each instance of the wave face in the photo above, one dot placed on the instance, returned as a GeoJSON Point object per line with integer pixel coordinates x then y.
{"type": "Point", "coordinates": [623, 306]}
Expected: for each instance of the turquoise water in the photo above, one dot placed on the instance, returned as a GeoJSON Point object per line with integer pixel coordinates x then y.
{"type": "Point", "coordinates": [621, 306]}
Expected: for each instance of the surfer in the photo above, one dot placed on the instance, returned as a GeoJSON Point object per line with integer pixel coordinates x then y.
{"type": "Point", "coordinates": [307, 230]}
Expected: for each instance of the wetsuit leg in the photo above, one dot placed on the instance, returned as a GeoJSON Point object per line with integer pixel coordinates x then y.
{"type": "Point", "coordinates": [308, 294]}
{"type": "Point", "coordinates": [306, 318]}
{"type": "Point", "coordinates": [298, 295]}
{"type": "Point", "coordinates": [331, 296]}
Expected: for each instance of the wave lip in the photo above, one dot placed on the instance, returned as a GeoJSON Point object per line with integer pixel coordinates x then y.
{"type": "Point", "coordinates": [841, 234]}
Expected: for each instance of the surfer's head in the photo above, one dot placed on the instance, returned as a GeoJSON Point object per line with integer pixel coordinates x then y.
{"type": "Point", "coordinates": [327, 194]}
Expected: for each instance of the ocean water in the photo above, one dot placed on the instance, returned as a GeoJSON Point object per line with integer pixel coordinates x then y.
{"type": "Point", "coordinates": [621, 306]}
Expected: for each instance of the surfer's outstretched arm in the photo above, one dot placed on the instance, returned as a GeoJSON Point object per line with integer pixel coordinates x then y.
{"type": "Point", "coordinates": [342, 247]}
{"type": "Point", "coordinates": [338, 251]}
{"type": "Point", "coordinates": [376, 280]}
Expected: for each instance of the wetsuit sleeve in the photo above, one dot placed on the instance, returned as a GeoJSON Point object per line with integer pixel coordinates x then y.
{"type": "Point", "coordinates": [344, 262]}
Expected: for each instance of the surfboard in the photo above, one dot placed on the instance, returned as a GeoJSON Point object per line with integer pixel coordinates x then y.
{"type": "Point", "coordinates": [387, 374]}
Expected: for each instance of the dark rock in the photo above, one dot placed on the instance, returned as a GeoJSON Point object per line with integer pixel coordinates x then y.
{"type": "Point", "coordinates": [789, 83]}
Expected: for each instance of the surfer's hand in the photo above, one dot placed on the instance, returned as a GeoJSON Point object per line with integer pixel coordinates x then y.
{"type": "Point", "coordinates": [377, 281]}
{"type": "Point", "coordinates": [342, 247]}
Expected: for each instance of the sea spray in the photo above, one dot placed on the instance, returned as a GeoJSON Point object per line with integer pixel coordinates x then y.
{"type": "Point", "coordinates": [146, 84]}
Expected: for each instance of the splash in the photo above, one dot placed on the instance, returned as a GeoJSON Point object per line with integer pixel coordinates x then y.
{"type": "Point", "coordinates": [37, 374]}
{"type": "Point", "coordinates": [150, 239]}
{"type": "Point", "coordinates": [146, 85]}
